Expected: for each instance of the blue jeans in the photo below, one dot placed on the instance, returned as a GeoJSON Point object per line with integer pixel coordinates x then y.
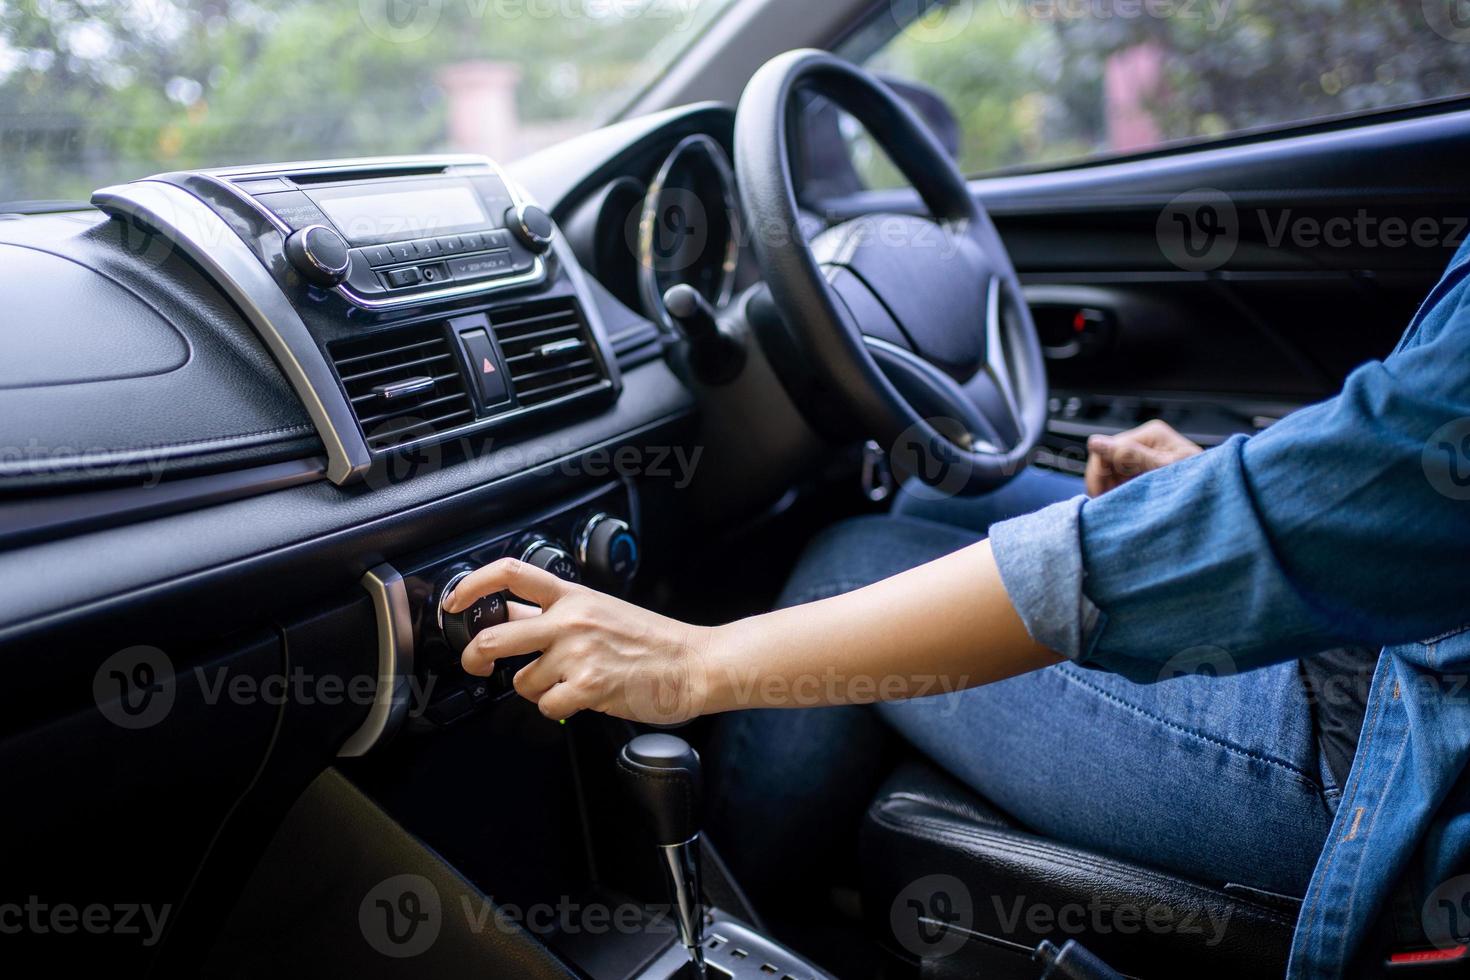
{"type": "Point", "coordinates": [1216, 778]}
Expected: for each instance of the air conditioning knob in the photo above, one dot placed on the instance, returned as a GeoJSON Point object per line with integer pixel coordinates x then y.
{"type": "Point", "coordinates": [532, 226]}
{"type": "Point", "coordinates": [608, 550]}
{"type": "Point", "coordinates": [319, 254]}
{"type": "Point", "coordinates": [553, 558]}
{"type": "Point", "coordinates": [458, 629]}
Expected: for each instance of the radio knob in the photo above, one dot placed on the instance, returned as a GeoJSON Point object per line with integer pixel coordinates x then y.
{"type": "Point", "coordinates": [532, 226]}
{"type": "Point", "coordinates": [319, 254]}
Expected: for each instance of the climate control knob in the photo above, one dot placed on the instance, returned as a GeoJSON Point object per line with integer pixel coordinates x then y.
{"type": "Point", "coordinates": [553, 558]}
{"type": "Point", "coordinates": [608, 550]}
{"type": "Point", "coordinates": [319, 254]}
{"type": "Point", "coordinates": [458, 629]}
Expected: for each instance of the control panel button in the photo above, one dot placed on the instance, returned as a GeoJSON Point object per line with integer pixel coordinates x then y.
{"type": "Point", "coordinates": [450, 245]}
{"type": "Point", "coordinates": [402, 251]}
{"type": "Point", "coordinates": [485, 366]}
{"type": "Point", "coordinates": [428, 248]}
{"type": "Point", "coordinates": [377, 255]}
{"type": "Point", "coordinates": [484, 264]}
{"type": "Point", "coordinates": [398, 278]}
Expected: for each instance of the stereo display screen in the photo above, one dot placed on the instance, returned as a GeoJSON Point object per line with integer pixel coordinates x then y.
{"type": "Point", "coordinates": [370, 217]}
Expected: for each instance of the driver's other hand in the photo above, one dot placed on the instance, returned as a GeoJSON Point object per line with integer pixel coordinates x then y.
{"type": "Point", "coordinates": [1114, 460]}
{"type": "Point", "coordinates": [598, 653]}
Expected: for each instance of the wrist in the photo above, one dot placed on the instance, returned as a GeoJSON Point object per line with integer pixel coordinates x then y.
{"type": "Point", "coordinates": [716, 655]}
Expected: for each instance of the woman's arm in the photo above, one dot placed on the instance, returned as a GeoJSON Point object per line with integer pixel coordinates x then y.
{"type": "Point", "coordinates": [941, 627]}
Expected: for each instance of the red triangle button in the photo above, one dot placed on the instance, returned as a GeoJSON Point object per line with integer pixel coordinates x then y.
{"type": "Point", "coordinates": [487, 367]}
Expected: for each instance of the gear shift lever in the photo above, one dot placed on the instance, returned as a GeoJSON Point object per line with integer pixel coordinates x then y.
{"type": "Point", "coordinates": [662, 772]}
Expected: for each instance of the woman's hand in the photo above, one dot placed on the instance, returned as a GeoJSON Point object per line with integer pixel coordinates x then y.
{"type": "Point", "coordinates": [1114, 460]}
{"type": "Point", "coordinates": [598, 652]}
{"type": "Point", "coordinates": [934, 629]}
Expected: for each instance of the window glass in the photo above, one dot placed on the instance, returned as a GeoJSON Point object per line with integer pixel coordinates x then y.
{"type": "Point", "coordinates": [93, 92]}
{"type": "Point", "coordinates": [1035, 82]}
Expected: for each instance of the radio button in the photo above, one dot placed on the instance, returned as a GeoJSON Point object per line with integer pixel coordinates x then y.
{"type": "Point", "coordinates": [376, 255]}
{"type": "Point", "coordinates": [450, 245]}
{"type": "Point", "coordinates": [402, 251]}
{"type": "Point", "coordinates": [428, 248]}
{"type": "Point", "coordinates": [398, 278]}
{"type": "Point", "coordinates": [479, 266]}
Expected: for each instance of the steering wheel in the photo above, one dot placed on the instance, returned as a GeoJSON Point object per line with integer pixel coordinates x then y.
{"type": "Point", "coordinates": [915, 325]}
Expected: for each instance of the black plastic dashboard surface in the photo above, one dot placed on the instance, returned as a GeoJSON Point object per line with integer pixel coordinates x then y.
{"type": "Point", "coordinates": [124, 365]}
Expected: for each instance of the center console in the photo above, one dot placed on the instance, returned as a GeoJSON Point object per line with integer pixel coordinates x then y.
{"type": "Point", "coordinates": [412, 303]}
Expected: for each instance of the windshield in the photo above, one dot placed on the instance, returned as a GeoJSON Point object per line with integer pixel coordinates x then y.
{"type": "Point", "coordinates": [93, 92]}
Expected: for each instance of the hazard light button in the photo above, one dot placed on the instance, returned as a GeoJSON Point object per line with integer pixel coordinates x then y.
{"type": "Point", "coordinates": [485, 366]}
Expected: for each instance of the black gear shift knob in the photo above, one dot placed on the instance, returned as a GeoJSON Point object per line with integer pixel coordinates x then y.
{"type": "Point", "coordinates": [662, 773]}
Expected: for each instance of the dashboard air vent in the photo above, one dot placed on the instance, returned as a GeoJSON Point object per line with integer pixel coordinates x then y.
{"type": "Point", "coordinates": [404, 385]}
{"type": "Point", "coordinates": [548, 350]}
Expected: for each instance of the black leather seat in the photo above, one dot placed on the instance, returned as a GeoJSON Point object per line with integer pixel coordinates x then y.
{"type": "Point", "coordinates": [960, 890]}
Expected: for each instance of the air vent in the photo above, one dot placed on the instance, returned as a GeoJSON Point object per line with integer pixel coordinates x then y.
{"type": "Point", "coordinates": [548, 350]}
{"type": "Point", "coordinates": [404, 385]}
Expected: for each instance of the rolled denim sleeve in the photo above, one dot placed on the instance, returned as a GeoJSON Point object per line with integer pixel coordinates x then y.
{"type": "Point", "coordinates": [1348, 521]}
{"type": "Point", "coordinates": [1040, 561]}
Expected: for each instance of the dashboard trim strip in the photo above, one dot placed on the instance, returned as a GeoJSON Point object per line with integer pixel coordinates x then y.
{"type": "Point", "coordinates": [195, 229]}
{"type": "Point", "coordinates": [395, 662]}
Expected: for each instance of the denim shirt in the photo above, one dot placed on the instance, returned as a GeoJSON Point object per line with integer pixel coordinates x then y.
{"type": "Point", "coordinates": [1347, 522]}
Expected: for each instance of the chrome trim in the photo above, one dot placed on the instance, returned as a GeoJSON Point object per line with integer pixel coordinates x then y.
{"type": "Point", "coordinates": [395, 662]}
{"type": "Point", "coordinates": [543, 543]}
{"type": "Point", "coordinates": [404, 388]}
{"type": "Point", "coordinates": [680, 863]}
{"type": "Point", "coordinates": [653, 301]}
{"type": "Point", "coordinates": [444, 594]}
{"type": "Point", "coordinates": [997, 364]}
{"type": "Point", "coordinates": [558, 347]}
{"type": "Point", "coordinates": [195, 229]}
{"type": "Point", "coordinates": [535, 276]}
{"type": "Point", "coordinates": [584, 536]}
{"type": "Point", "coordinates": [943, 380]}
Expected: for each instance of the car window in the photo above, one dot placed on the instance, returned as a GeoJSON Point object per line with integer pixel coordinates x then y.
{"type": "Point", "coordinates": [94, 92]}
{"type": "Point", "coordinates": [1037, 82]}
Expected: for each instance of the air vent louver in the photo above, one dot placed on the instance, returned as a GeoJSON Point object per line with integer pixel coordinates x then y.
{"type": "Point", "coordinates": [404, 385]}
{"type": "Point", "coordinates": [548, 351]}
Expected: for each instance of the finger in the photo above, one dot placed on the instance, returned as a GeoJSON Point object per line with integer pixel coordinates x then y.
{"type": "Point", "coordinates": [1130, 459]}
{"type": "Point", "coordinates": [520, 610]}
{"type": "Point", "coordinates": [536, 678]}
{"type": "Point", "coordinates": [1098, 476]}
{"type": "Point", "coordinates": [561, 702]}
{"type": "Point", "coordinates": [507, 575]}
{"type": "Point", "coordinates": [506, 640]}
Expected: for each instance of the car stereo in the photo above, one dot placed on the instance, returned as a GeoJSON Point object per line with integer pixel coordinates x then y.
{"type": "Point", "coordinates": [412, 236]}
